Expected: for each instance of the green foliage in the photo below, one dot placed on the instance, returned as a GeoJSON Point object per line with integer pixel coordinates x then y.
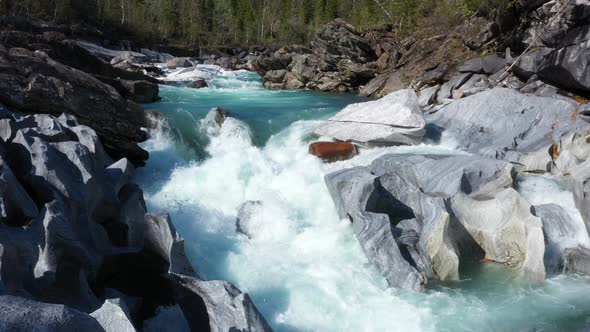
{"type": "Point", "coordinates": [205, 23]}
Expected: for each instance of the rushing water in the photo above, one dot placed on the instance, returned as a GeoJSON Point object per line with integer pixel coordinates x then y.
{"type": "Point", "coordinates": [303, 267]}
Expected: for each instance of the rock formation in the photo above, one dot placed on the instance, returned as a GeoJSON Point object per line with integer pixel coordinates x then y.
{"type": "Point", "coordinates": [393, 120]}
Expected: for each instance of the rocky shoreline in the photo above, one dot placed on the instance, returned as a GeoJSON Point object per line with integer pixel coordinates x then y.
{"type": "Point", "coordinates": [78, 249]}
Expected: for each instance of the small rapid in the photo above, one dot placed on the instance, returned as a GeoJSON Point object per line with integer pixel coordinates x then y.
{"type": "Point", "coordinates": [301, 265]}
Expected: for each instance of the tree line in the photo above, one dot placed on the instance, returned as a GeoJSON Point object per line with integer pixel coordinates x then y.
{"type": "Point", "coordinates": [239, 22]}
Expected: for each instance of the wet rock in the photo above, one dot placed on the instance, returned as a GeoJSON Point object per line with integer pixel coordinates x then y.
{"type": "Point", "coordinates": [199, 84]}
{"type": "Point", "coordinates": [393, 120]}
{"type": "Point", "coordinates": [247, 213]}
{"type": "Point", "coordinates": [22, 315]}
{"type": "Point", "coordinates": [214, 120]}
{"type": "Point", "coordinates": [561, 232]}
{"type": "Point", "coordinates": [581, 187]}
{"type": "Point", "coordinates": [577, 261]}
{"type": "Point", "coordinates": [332, 151]}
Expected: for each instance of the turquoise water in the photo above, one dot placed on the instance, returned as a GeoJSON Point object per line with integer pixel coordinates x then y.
{"type": "Point", "coordinates": [302, 266]}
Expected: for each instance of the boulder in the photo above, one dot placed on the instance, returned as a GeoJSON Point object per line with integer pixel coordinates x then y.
{"type": "Point", "coordinates": [22, 315]}
{"type": "Point", "coordinates": [227, 307]}
{"type": "Point", "coordinates": [568, 67]}
{"type": "Point", "coordinates": [178, 62]}
{"type": "Point", "coordinates": [561, 232]}
{"type": "Point", "coordinates": [199, 84]}
{"type": "Point", "coordinates": [352, 190]}
{"type": "Point", "coordinates": [338, 41]}
{"type": "Point", "coordinates": [160, 238]}
{"type": "Point", "coordinates": [113, 318]}
{"type": "Point", "coordinates": [428, 96]}
{"type": "Point", "coordinates": [332, 151]}
{"type": "Point", "coordinates": [142, 91]}
{"type": "Point", "coordinates": [393, 120]}
{"type": "Point", "coordinates": [505, 124]}
{"type": "Point", "coordinates": [214, 120]}
{"type": "Point", "coordinates": [433, 213]}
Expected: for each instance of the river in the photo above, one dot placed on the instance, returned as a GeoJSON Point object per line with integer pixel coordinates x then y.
{"type": "Point", "coordinates": [302, 266]}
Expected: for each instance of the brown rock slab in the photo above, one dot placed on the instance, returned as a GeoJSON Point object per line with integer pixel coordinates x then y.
{"type": "Point", "coordinates": [333, 151]}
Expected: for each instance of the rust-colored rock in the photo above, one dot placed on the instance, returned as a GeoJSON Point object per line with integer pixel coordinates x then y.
{"type": "Point", "coordinates": [332, 151]}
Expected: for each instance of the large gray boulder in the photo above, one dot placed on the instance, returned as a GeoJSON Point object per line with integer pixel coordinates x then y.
{"type": "Point", "coordinates": [534, 132]}
{"type": "Point", "coordinates": [21, 315]}
{"type": "Point", "coordinates": [422, 216]}
{"type": "Point", "coordinates": [352, 191]}
{"type": "Point", "coordinates": [392, 120]}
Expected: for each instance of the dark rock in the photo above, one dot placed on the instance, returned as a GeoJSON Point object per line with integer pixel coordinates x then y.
{"type": "Point", "coordinates": [142, 91]}
{"type": "Point", "coordinates": [21, 315]}
{"type": "Point", "coordinates": [228, 308]}
{"type": "Point", "coordinates": [199, 84]}
{"type": "Point", "coordinates": [54, 88]}
{"type": "Point", "coordinates": [332, 151]}
{"type": "Point", "coordinates": [568, 67]}
{"type": "Point", "coordinates": [339, 40]}
{"type": "Point", "coordinates": [486, 65]}
{"type": "Point", "coordinates": [16, 206]}
{"type": "Point", "coordinates": [434, 76]}
{"type": "Point", "coordinates": [53, 36]}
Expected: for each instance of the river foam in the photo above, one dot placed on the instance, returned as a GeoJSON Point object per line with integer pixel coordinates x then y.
{"type": "Point", "coordinates": [302, 265]}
